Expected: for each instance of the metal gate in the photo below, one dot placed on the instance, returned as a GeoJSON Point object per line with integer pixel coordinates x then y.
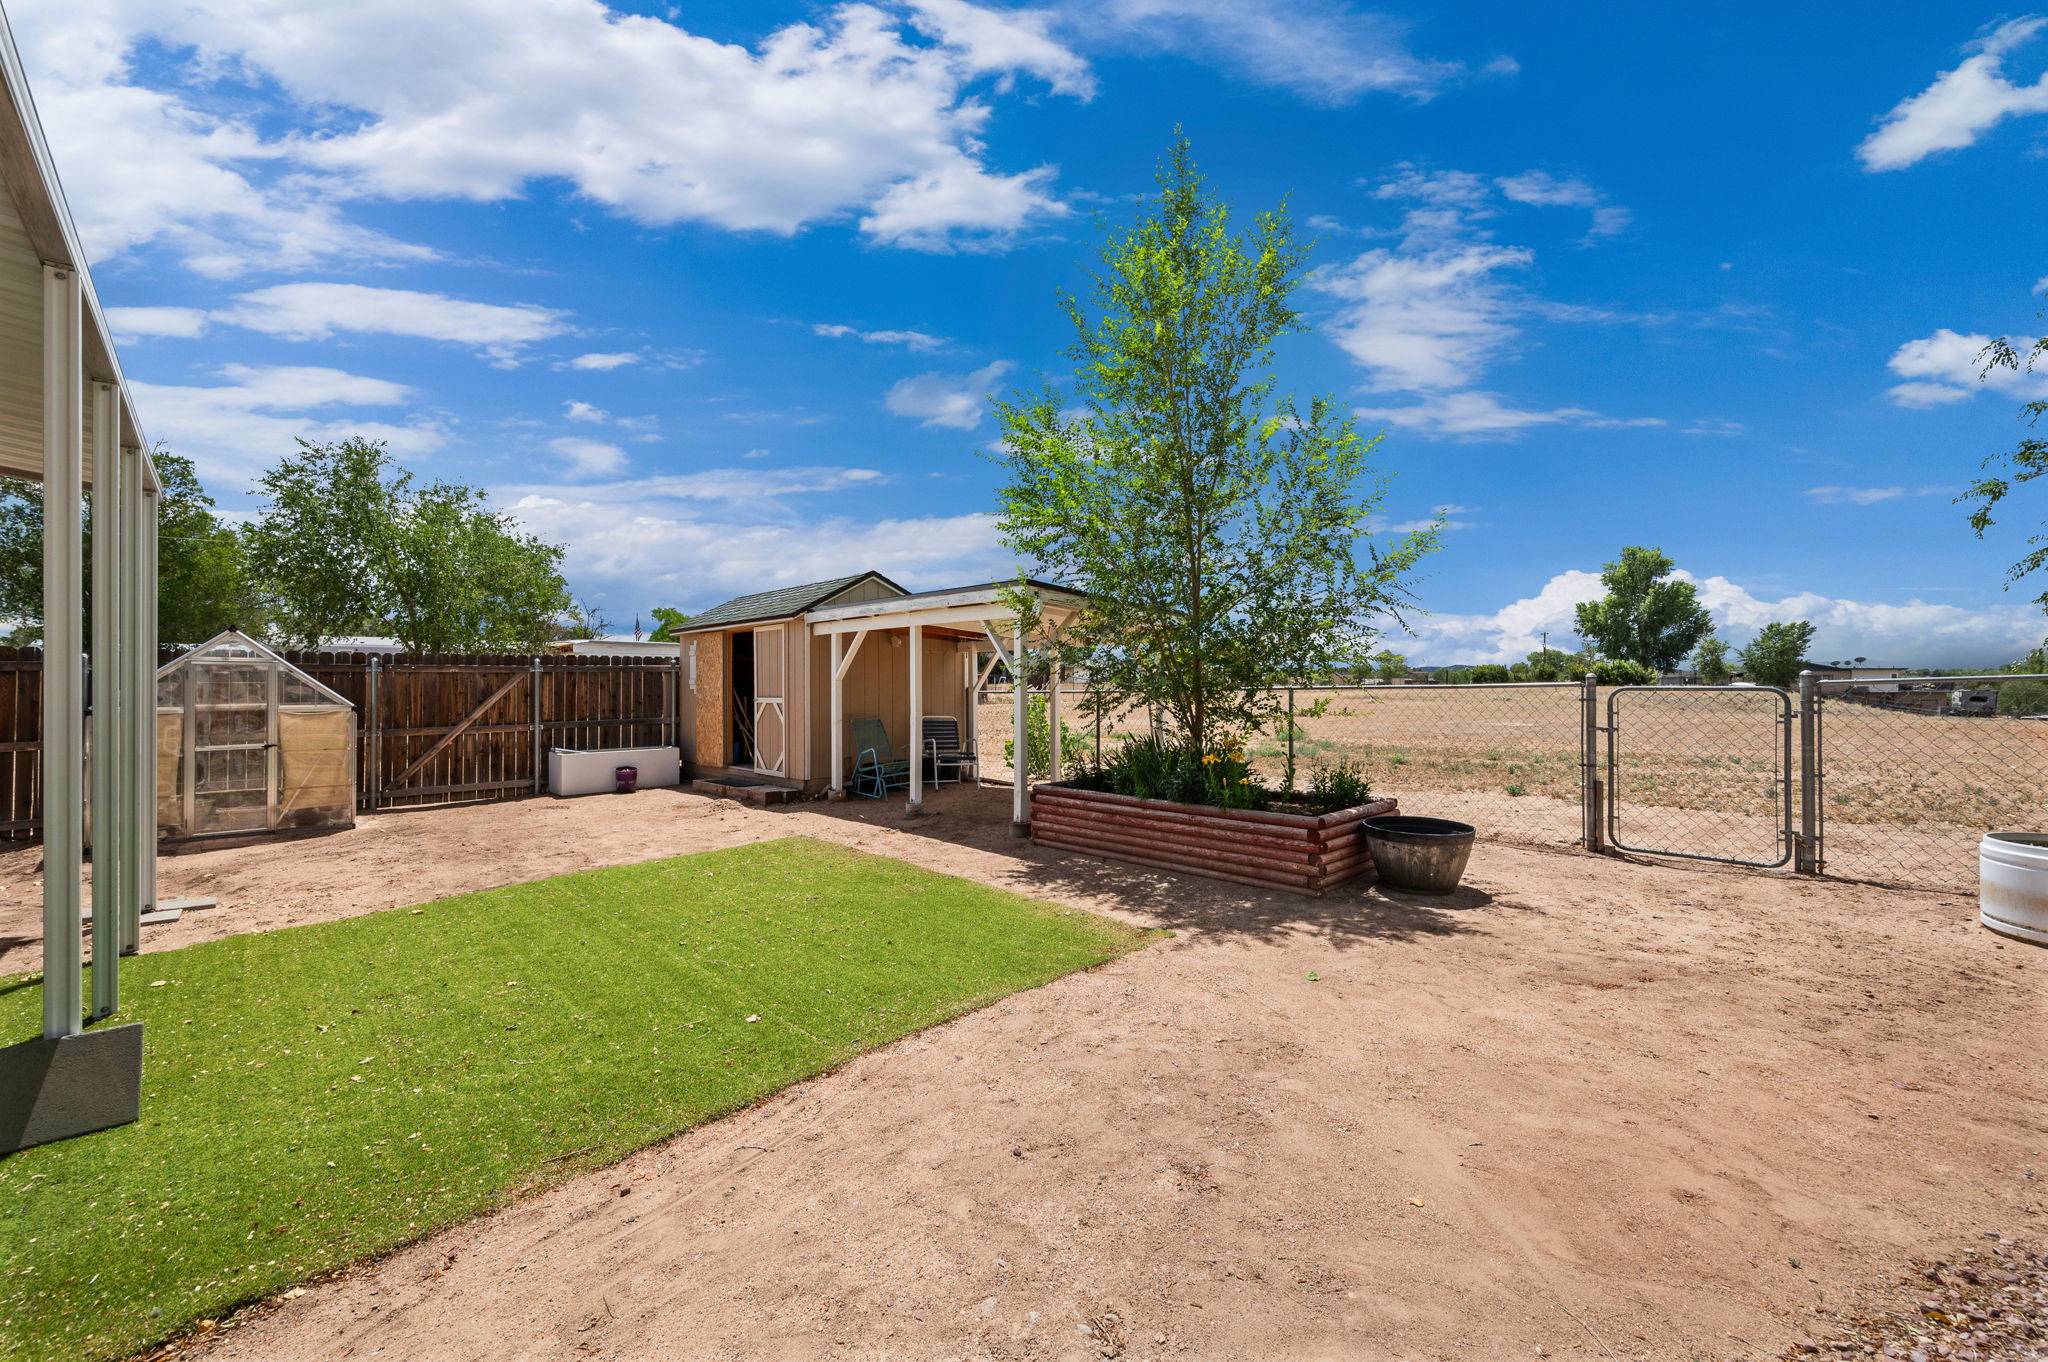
{"type": "Point", "coordinates": [1700, 771]}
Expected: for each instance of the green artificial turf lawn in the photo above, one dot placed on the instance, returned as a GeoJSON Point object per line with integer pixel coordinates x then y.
{"type": "Point", "coordinates": [315, 1095]}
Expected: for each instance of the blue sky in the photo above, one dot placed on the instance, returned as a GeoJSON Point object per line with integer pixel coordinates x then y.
{"type": "Point", "coordinates": [713, 294]}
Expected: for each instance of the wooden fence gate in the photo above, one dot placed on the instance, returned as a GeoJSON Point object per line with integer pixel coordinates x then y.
{"type": "Point", "coordinates": [430, 729]}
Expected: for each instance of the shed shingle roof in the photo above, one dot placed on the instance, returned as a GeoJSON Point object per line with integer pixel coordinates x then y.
{"type": "Point", "coordinates": [777, 604]}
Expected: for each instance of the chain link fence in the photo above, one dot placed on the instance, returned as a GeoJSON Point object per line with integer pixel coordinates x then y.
{"type": "Point", "coordinates": [1887, 781]}
{"type": "Point", "coordinates": [1910, 775]}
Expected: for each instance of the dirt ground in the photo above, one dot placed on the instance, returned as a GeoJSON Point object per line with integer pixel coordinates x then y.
{"type": "Point", "coordinates": [1585, 1107]}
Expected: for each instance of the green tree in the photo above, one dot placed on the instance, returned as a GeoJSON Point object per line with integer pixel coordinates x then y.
{"type": "Point", "coordinates": [1777, 653]}
{"type": "Point", "coordinates": [1710, 660]}
{"type": "Point", "coordinates": [668, 624]}
{"type": "Point", "coordinates": [1389, 665]}
{"type": "Point", "coordinates": [581, 619]}
{"type": "Point", "coordinates": [1488, 673]}
{"type": "Point", "coordinates": [203, 583]}
{"type": "Point", "coordinates": [2024, 462]}
{"type": "Point", "coordinates": [1550, 664]}
{"type": "Point", "coordinates": [1222, 531]}
{"type": "Point", "coordinates": [350, 543]}
{"type": "Point", "coordinates": [1647, 616]}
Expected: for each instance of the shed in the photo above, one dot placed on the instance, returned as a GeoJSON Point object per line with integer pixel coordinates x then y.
{"type": "Point", "coordinates": [770, 679]}
{"type": "Point", "coordinates": [246, 742]}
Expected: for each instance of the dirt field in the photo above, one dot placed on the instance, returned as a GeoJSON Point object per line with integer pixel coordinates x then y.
{"type": "Point", "coordinates": [1584, 1107]}
{"type": "Point", "coordinates": [1907, 796]}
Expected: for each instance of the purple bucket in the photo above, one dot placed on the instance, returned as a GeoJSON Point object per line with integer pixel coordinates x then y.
{"type": "Point", "coordinates": [628, 778]}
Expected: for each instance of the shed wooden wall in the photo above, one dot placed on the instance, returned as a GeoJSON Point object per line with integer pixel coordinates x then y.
{"type": "Point", "coordinates": [878, 683]}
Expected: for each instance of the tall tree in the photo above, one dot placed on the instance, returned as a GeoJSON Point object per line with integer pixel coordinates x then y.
{"type": "Point", "coordinates": [2025, 462]}
{"type": "Point", "coordinates": [1710, 660]}
{"type": "Point", "coordinates": [203, 581]}
{"type": "Point", "coordinates": [668, 623]}
{"type": "Point", "coordinates": [1222, 531]}
{"type": "Point", "coordinates": [348, 542]}
{"type": "Point", "coordinates": [1774, 657]}
{"type": "Point", "coordinates": [1647, 616]}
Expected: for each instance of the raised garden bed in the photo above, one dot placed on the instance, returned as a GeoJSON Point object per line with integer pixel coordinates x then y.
{"type": "Point", "coordinates": [1301, 853]}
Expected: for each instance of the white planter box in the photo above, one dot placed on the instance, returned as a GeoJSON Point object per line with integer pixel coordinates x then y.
{"type": "Point", "coordinates": [572, 771]}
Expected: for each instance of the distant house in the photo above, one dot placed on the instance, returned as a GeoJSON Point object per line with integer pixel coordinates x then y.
{"type": "Point", "coordinates": [615, 645]}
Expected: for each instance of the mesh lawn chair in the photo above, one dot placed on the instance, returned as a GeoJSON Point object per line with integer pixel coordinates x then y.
{"type": "Point", "coordinates": [876, 767]}
{"type": "Point", "coordinates": [948, 757]}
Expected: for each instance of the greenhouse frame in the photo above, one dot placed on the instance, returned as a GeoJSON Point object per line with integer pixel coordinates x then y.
{"type": "Point", "coordinates": [247, 743]}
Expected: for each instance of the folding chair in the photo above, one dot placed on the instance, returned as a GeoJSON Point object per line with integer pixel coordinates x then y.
{"type": "Point", "coordinates": [876, 767]}
{"type": "Point", "coordinates": [950, 759]}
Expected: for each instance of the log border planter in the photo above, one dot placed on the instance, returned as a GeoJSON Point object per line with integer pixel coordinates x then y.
{"type": "Point", "coordinates": [1300, 853]}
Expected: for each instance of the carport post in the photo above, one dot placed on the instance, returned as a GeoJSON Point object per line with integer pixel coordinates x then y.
{"type": "Point", "coordinates": [142, 708]}
{"type": "Point", "coordinates": [916, 726]}
{"type": "Point", "coordinates": [111, 731]}
{"type": "Point", "coordinates": [137, 692]}
{"type": "Point", "coordinates": [63, 674]}
{"type": "Point", "coordinates": [1020, 738]}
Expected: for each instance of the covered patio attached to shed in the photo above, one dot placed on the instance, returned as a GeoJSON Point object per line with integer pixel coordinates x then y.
{"type": "Point", "coordinates": [772, 681]}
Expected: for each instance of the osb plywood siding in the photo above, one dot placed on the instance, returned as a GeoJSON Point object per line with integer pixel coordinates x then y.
{"type": "Point", "coordinates": [714, 704]}
{"type": "Point", "coordinates": [878, 683]}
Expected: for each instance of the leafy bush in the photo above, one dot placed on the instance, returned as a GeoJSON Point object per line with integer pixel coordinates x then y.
{"type": "Point", "coordinates": [1487, 672]}
{"type": "Point", "coordinates": [1341, 785]}
{"type": "Point", "coordinates": [2023, 697]}
{"type": "Point", "coordinates": [1152, 767]}
{"type": "Point", "coordinates": [1616, 671]}
{"type": "Point", "coordinates": [1038, 733]}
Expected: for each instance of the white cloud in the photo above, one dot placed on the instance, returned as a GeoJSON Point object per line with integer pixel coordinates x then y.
{"type": "Point", "coordinates": [589, 457]}
{"type": "Point", "coordinates": [236, 429]}
{"type": "Point", "coordinates": [1945, 367]}
{"type": "Point", "coordinates": [1474, 415]}
{"type": "Point", "coordinates": [1961, 105]}
{"type": "Point", "coordinates": [132, 324]}
{"type": "Point", "coordinates": [1322, 50]}
{"type": "Point", "coordinates": [858, 114]}
{"type": "Point", "coordinates": [1869, 496]}
{"type": "Point", "coordinates": [695, 539]}
{"type": "Point", "coordinates": [953, 400]}
{"type": "Point", "coordinates": [909, 340]}
{"type": "Point", "coordinates": [582, 411]}
{"type": "Point", "coordinates": [1423, 321]}
{"type": "Point", "coordinates": [1431, 315]}
{"type": "Point", "coordinates": [1005, 41]}
{"type": "Point", "coordinates": [1914, 633]}
{"type": "Point", "coordinates": [1542, 188]}
{"type": "Point", "coordinates": [313, 311]}
{"type": "Point", "coordinates": [600, 362]}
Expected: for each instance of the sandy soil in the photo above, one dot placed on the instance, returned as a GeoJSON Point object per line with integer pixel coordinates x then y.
{"type": "Point", "coordinates": [1586, 1106]}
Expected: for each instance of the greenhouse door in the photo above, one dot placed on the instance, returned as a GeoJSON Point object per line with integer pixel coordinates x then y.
{"type": "Point", "coordinates": [771, 720]}
{"type": "Point", "coordinates": [232, 785]}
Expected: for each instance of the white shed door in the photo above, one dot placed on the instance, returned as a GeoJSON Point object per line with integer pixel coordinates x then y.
{"type": "Point", "coordinates": [771, 719]}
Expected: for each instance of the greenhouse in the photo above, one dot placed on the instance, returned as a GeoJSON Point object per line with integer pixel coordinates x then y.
{"type": "Point", "coordinates": [246, 742]}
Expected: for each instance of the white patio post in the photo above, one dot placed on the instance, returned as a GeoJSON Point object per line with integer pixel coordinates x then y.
{"type": "Point", "coordinates": [138, 661]}
{"type": "Point", "coordinates": [1052, 719]}
{"type": "Point", "coordinates": [63, 676]}
{"type": "Point", "coordinates": [916, 805]}
{"type": "Point", "coordinates": [111, 731]}
{"type": "Point", "coordinates": [1020, 738]}
{"type": "Point", "coordinates": [838, 786]}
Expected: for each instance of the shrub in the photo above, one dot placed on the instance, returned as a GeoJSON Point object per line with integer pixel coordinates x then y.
{"type": "Point", "coordinates": [1487, 672]}
{"type": "Point", "coordinates": [1151, 767]}
{"type": "Point", "coordinates": [1038, 733]}
{"type": "Point", "coordinates": [1341, 785]}
{"type": "Point", "coordinates": [1616, 671]}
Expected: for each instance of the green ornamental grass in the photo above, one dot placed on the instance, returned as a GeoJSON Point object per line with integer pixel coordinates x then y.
{"type": "Point", "coordinates": [319, 1094]}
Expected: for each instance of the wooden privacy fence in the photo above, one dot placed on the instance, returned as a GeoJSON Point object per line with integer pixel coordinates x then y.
{"type": "Point", "coordinates": [430, 729]}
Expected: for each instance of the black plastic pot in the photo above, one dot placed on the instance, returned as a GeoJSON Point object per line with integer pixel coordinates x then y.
{"type": "Point", "coordinates": [628, 778]}
{"type": "Point", "coordinates": [1423, 855]}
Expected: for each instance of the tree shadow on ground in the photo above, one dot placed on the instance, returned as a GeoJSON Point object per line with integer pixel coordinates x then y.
{"type": "Point", "coordinates": [1359, 911]}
